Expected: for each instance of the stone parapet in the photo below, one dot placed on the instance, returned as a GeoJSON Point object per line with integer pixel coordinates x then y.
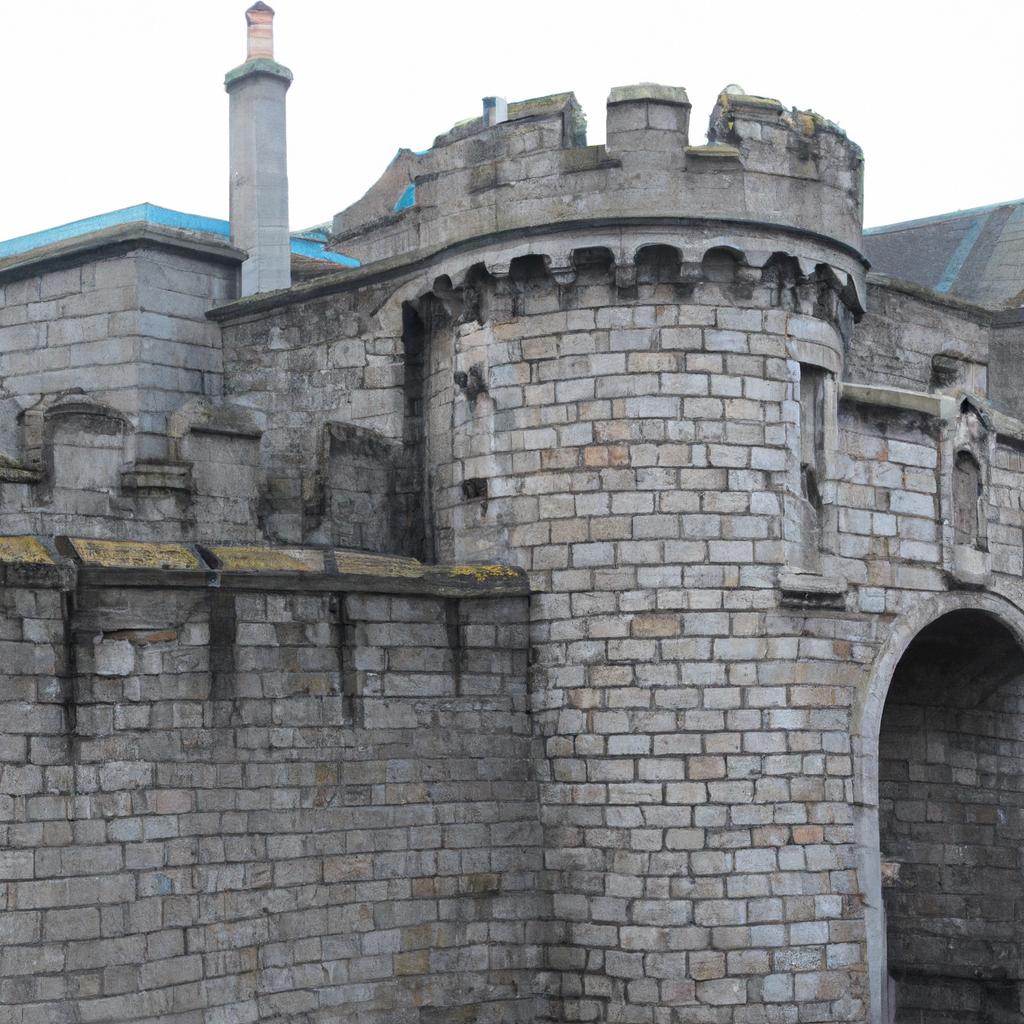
{"type": "Point", "coordinates": [764, 165]}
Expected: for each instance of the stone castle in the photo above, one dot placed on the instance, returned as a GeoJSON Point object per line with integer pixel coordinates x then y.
{"type": "Point", "coordinates": [567, 588]}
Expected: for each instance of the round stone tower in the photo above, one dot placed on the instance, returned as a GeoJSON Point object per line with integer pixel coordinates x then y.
{"type": "Point", "coordinates": [626, 374]}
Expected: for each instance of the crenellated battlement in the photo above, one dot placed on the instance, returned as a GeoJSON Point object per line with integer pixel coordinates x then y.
{"type": "Point", "coordinates": [762, 164]}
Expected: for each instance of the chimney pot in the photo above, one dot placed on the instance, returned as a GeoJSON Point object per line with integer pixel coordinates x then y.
{"type": "Point", "coordinates": [495, 110]}
{"type": "Point", "coordinates": [260, 40]}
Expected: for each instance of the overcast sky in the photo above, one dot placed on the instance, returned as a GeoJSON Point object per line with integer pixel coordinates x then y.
{"type": "Point", "coordinates": [107, 103]}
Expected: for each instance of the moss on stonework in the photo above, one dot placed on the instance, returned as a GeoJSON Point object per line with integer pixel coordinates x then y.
{"type": "Point", "coordinates": [483, 573]}
{"type": "Point", "coordinates": [23, 549]}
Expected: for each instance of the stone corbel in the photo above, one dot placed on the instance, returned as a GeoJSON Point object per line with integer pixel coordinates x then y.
{"type": "Point", "coordinates": [201, 416]}
{"type": "Point", "coordinates": [746, 274]}
{"type": "Point", "coordinates": [157, 478]}
{"type": "Point", "coordinates": [561, 268]}
{"type": "Point", "coordinates": [809, 589]}
{"type": "Point", "coordinates": [503, 306]}
{"type": "Point", "coordinates": [499, 270]}
{"type": "Point", "coordinates": [625, 275]}
{"type": "Point", "coordinates": [691, 272]}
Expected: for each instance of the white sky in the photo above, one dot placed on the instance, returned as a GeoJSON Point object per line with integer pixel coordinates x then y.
{"type": "Point", "coordinates": [107, 103]}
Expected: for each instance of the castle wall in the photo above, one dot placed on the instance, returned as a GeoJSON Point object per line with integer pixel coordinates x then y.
{"type": "Point", "coordinates": [73, 327]}
{"type": "Point", "coordinates": [698, 693]}
{"type": "Point", "coordinates": [179, 349]}
{"type": "Point", "coordinates": [914, 339]}
{"type": "Point", "coordinates": [101, 341]}
{"type": "Point", "coordinates": [126, 326]}
{"type": "Point", "coordinates": [1007, 362]}
{"type": "Point", "coordinates": [263, 803]}
{"type": "Point", "coordinates": [638, 446]}
{"type": "Point", "coordinates": [625, 412]}
{"type": "Point", "coordinates": [792, 169]}
{"type": "Point", "coordinates": [266, 792]}
{"type": "Point", "coordinates": [307, 367]}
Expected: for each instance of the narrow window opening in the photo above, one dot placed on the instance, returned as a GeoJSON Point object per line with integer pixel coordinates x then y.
{"type": "Point", "coordinates": [809, 507]}
{"type": "Point", "coordinates": [812, 433]}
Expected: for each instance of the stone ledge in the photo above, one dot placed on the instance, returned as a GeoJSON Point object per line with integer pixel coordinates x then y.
{"type": "Point", "coordinates": [649, 92]}
{"type": "Point", "coordinates": [132, 563]}
{"type": "Point", "coordinates": [257, 66]}
{"type": "Point", "coordinates": [970, 567]}
{"type": "Point", "coordinates": [812, 588]}
{"type": "Point", "coordinates": [157, 476]}
{"type": "Point", "coordinates": [714, 151]}
{"type": "Point", "coordinates": [12, 472]}
{"type": "Point", "coordinates": [25, 551]}
{"type": "Point", "coordinates": [940, 406]}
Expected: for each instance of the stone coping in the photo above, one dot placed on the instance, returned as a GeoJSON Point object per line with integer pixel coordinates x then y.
{"type": "Point", "coordinates": [53, 561]}
{"type": "Point", "coordinates": [941, 406]}
{"type": "Point", "coordinates": [257, 66]}
{"type": "Point", "coordinates": [650, 92]}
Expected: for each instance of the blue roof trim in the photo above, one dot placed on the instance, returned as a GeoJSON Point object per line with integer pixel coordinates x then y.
{"type": "Point", "coordinates": [146, 212]}
{"type": "Point", "coordinates": [316, 251]}
{"type": "Point", "coordinates": [406, 199]}
{"type": "Point", "coordinates": [309, 243]}
{"type": "Point", "coordinates": [319, 233]}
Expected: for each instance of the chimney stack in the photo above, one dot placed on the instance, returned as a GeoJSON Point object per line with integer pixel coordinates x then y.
{"type": "Point", "coordinates": [259, 170]}
{"type": "Point", "coordinates": [495, 110]}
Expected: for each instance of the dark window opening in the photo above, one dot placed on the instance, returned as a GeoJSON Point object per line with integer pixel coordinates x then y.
{"type": "Point", "coordinates": [475, 489]}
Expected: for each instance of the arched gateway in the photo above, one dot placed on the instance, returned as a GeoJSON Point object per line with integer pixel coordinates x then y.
{"type": "Point", "coordinates": [939, 747]}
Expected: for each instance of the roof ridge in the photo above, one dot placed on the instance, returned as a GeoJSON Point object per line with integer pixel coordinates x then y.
{"type": "Point", "coordinates": [940, 217]}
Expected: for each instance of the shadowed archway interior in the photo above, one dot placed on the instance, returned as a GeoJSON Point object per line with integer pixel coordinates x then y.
{"type": "Point", "coordinates": [951, 824]}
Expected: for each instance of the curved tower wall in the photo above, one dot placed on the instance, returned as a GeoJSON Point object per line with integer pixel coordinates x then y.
{"type": "Point", "coordinates": [638, 406]}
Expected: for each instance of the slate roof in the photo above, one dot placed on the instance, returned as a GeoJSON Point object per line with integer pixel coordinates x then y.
{"type": "Point", "coordinates": [976, 255]}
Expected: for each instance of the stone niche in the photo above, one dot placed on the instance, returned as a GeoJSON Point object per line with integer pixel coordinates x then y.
{"type": "Point", "coordinates": [79, 446]}
{"type": "Point", "coordinates": [220, 444]}
{"type": "Point", "coordinates": [354, 496]}
{"type": "Point", "coordinates": [973, 450]}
